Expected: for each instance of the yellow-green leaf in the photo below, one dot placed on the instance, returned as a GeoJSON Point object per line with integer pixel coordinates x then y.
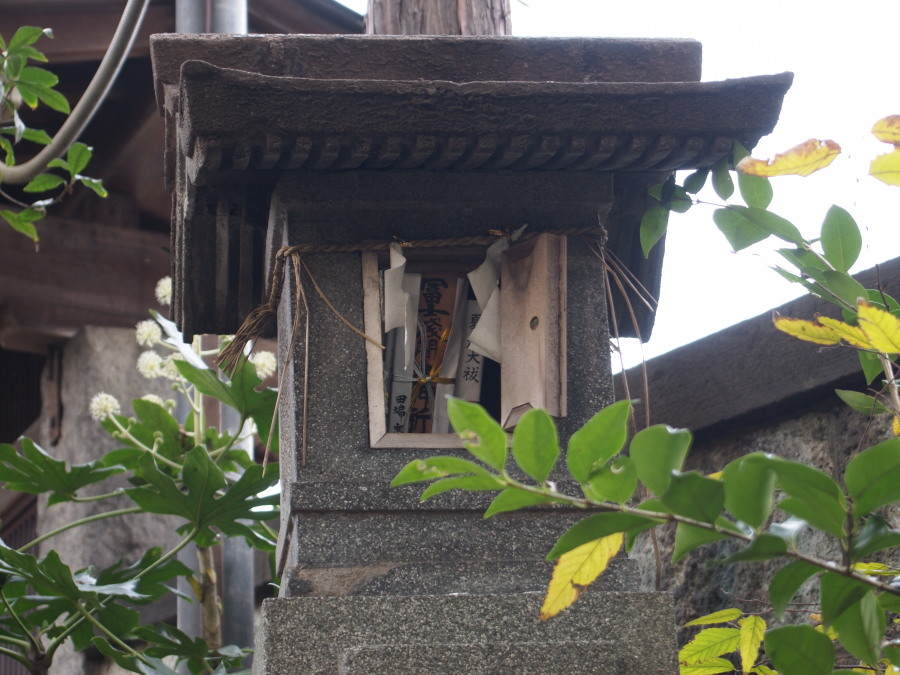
{"type": "Point", "coordinates": [853, 335]}
{"type": "Point", "coordinates": [801, 160]}
{"type": "Point", "coordinates": [895, 426]}
{"type": "Point", "coordinates": [753, 629]}
{"type": "Point", "coordinates": [711, 667]}
{"type": "Point", "coordinates": [886, 167]}
{"type": "Point", "coordinates": [881, 328]}
{"type": "Point", "coordinates": [576, 570]}
{"type": "Point", "coordinates": [709, 644]}
{"type": "Point", "coordinates": [875, 569]}
{"type": "Point", "coordinates": [811, 331]}
{"type": "Point", "coordinates": [722, 616]}
{"type": "Point", "coordinates": [887, 129]}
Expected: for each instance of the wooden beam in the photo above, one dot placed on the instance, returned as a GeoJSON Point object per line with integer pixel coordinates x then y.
{"type": "Point", "coordinates": [84, 274]}
{"type": "Point", "coordinates": [82, 30]}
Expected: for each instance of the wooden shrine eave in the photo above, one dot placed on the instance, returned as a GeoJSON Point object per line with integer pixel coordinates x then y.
{"type": "Point", "coordinates": [246, 113]}
{"type": "Point", "coordinates": [332, 125]}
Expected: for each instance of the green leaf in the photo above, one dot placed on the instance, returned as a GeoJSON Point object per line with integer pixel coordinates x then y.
{"type": "Point", "coordinates": [596, 527]}
{"type": "Point", "coordinates": [513, 499]}
{"type": "Point", "coordinates": [749, 487]}
{"type": "Point", "coordinates": [842, 289]}
{"type": "Point", "coordinates": [51, 98]}
{"type": "Point", "coordinates": [150, 584]}
{"type": "Point", "coordinates": [755, 190]}
{"type": "Point", "coordinates": [841, 239]}
{"type": "Point", "coordinates": [657, 451]}
{"type": "Point", "coordinates": [694, 496]}
{"type": "Point", "coordinates": [871, 365]}
{"type": "Point", "coordinates": [709, 644]}
{"type": "Point", "coordinates": [753, 629]}
{"type": "Point", "coordinates": [20, 223]}
{"type": "Point", "coordinates": [88, 584]}
{"type": "Point", "coordinates": [722, 616]}
{"type": "Point", "coordinates": [615, 482]}
{"type": "Point", "coordinates": [721, 179]}
{"type": "Point", "coordinates": [653, 226]}
{"type": "Point", "coordinates": [690, 537]}
{"type": "Point", "coordinates": [771, 223]}
{"type": "Point", "coordinates": [861, 403]}
{"type": "Point", "coordinates": [9, 156]}
{"type": "Point", "coordinates": [93, 184]}
{"type": "Point", "coordinates": [437, 467]}
{"type": "Point", "coordinates": [78, 156]}
{"type": "Point", "coordinates": [481, 434]}
{"type": "Point", "coordinates": [35, 75]}
{"type": "Point", "coordinates": [876, 535]}
{"type": "Point", "coordinates": [695, 181]}
{"type": "Point", "coordinates": [763, 547]}
{"type": "Point", "coordinates": [468, 483]}
{"type": "Point", "coordinates": [802, 259]}
{"type": "Point", "coordinates": [787, 581]}
{"type": "Point", "coordinates": [207, 501]}
{"type": "Point", "coordinates": [814, 496]}
{"type": "Point", "coordinates": [799, 650]}
{"type": "Point", "coordinates": [44, 182]}
{"type": "Point", "coordinates": [535, 446]}
{"type": "Point", "coordinates": [24, 36]}
{"type": "Point", "coordinates": [710, 667]}
{"type": "Point", "coordinates": [873, 477]}
{"type": "Point", "coordinates": [889, 602]}
{"type": "Point", "coordinates": [37, 472]}
{"type": "Point", "coordinates": [122, 659]}
{"type": "Point", "coordinates": [837, 594]}
{"type": "Point", "coordinates": [601, 438]}
{"type": "Point", "coordinates": [739, 231]}
{"type": "Point", "coordinates": [159, 419]}
{"type": "Point", "coordinates": [861, 627]}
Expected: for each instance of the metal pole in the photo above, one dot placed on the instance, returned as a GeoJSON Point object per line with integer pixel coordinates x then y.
{"type": "Point", "coordinates": [188, 618]}
{"type": "Point", "coordinates": [190, 16]}
{"type": "Point", "coordinates": [229, 16]}
{"type": "Point", "coordinates": [238, 593]}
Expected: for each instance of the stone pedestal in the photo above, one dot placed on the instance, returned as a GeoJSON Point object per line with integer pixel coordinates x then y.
{"type": "Point", "coordinates": [339, 140]}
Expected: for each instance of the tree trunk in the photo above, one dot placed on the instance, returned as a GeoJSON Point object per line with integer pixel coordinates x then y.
{"type": "Point", "coordinates": [438, 17]}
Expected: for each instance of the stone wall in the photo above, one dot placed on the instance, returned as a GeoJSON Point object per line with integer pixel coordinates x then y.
{"type": "Point", "coordinates": [745, 389]}
{"type": "Point", "coordinates": [97, 360]}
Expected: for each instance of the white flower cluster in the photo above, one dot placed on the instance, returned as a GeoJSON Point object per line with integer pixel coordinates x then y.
{"type": "Point", "coordinates": [164, 291]}
{"type": "Point", "coordinates": [151, 365]}
{"type": "Point", "coordinates": [104, 405]}
{"type": "Point", "coordinates": [153, 398]}
{"type": "Point", "coordinates": [148, 333]}
{"type": "Point", "coordinates": [265, 363]}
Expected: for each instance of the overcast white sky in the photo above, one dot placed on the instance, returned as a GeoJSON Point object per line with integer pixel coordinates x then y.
{"type": "Point", "coordinates": [843, 55]}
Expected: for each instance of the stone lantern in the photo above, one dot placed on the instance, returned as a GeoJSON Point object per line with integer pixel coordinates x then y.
{"type": "Point", "coordinates": [302, 159]}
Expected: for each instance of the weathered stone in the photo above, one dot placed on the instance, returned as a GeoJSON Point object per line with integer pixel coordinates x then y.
{"type": "Point", "coordinates": [97, 360]}
{"type": "Point", "coordinates": [614, 633]}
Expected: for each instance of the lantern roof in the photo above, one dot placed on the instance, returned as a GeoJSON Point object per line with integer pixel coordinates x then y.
{"type": "Point", "coordinates": [245, 112]}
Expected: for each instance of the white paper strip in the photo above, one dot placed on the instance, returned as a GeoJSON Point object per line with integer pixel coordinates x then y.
{"type": "Point", "coordinates": [440, 422]}
{"type": "Point", "coordinates": [485, 338]}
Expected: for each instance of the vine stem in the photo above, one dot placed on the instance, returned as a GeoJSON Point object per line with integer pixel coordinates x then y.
{"type": "Point", "coordinates": [891, 382]}
{"type": "Point", "coordinates": [141, 446]}
{"type": "Point", "coordinates": [96, 498]}
{"type": "Point", "coordinates": [608, 507]}
{"type": "Point", "coordinates": [75, 621]}
{"type": "Point", "coordinates": [76, 523]}
{"type": "Point", "coordinates": [32, 640]}
{"type": "Point", "coordinates": [112, 636]}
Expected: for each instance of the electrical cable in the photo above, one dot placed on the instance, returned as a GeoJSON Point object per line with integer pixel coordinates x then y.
{"type": "Point", "coordinates": [93, 97]}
